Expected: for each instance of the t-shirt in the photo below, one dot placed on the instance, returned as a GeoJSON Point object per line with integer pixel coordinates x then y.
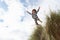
{"type": "Point", "coordinates": [34, 15]}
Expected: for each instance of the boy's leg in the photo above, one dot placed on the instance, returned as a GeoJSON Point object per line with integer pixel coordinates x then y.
{"type": "Point", "coordinates": [39, 20]}
{"type": "Point", "coordinates": [36, 21]}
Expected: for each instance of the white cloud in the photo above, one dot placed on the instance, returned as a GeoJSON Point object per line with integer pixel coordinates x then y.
{"type": "Point", "coordinates": [11, 23]}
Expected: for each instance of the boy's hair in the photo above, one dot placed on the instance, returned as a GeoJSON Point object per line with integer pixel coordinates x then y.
{"type": "Point", "coordinates": [34, 10]}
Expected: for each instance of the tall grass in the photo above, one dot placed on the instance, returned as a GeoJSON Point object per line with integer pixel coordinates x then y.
{"type": "Point", "coordinates": [53, 25]}
{"type": "Point", "coordinates": [51, 31]}
{"type": "Point", "coordinates": [37, 33]}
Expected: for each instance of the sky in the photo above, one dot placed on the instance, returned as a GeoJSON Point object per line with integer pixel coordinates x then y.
{"type": "Point", "coordinates": [16, 23]}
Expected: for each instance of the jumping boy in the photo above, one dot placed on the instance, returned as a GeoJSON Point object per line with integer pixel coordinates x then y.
{"type": "Point", "coordinates": [34, 15]}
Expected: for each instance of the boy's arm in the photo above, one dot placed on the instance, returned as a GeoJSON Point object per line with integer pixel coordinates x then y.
{"type": "Point", "coordinates": [38, 9]}
{"type": "Point", "coordinates": [29, 12]}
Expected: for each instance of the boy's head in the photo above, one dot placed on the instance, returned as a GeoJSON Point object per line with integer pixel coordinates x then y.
{"type": "Point", "coordinates": [34, 11]}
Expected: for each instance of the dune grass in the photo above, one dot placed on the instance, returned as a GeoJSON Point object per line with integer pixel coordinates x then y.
{"type": "Point", "coordinates": [53, 25]}
{"type": "Point", "coordinates": [37, 33]}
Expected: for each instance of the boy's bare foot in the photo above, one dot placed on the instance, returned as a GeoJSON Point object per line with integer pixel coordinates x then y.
{"type": "Point", "coordinates": [41, 21]}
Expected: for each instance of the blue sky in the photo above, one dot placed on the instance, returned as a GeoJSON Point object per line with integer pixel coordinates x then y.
{"type": "Point", "coordinates": [1, 20]}
{"type": "Point", "coordinates": [16, 23]}
{"type": "Point", "coordinates": [24, 3]}
{"type": "Point", "coordinates": [31, 2]}
{"type": "Point", "coordinates": [3, 5]}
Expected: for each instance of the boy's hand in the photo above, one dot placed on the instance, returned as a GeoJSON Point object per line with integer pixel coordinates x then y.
{"type": "Point", "coordinates": [39, 7]}
{"type": "Point", "coordinates": [26, 11]}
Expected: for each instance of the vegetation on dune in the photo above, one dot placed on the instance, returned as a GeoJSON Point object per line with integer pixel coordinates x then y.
{"type": "Point", "coordinates": [37, 33]}
{"type": "Point", "coordinates": [51, 31]}
{"type": "Point", "coordinates": [53, 26]}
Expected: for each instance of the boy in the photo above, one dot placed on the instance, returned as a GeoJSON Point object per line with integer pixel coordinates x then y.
{"type": "Point", "coordinates": [34, 15]}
